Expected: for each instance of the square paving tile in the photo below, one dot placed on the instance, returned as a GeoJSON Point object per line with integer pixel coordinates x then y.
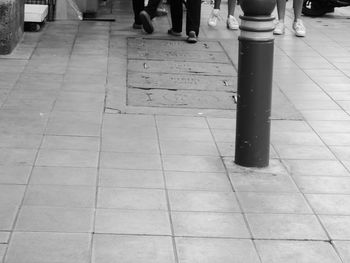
{"type": "Point", "coordinates": [212, 250]}
{"type": "Point", "coordinates": [131, 178]}
{"type": "Point", "coordinates": [58, 195]}
{"type": "Point", "coordinates": [203, 201]}
{"type": "Point", "coordinates": [129, 144]}
{"type": "Point", "coordinates": [304, 152]}
{"type": "Point", "coordinates": [342, 152]}
{"type": "Point", "coordinates": [138, 222]}
{"type": "Point", "coordinates": [63, 175]}
{"type": "Point", "coordinates": [222, 123]}
{"type": "Point", "coordinates": [223, 135]}
{"type": "Point", "coordinates": [330, 126]}
{"type": "Point", "coordinates": [2, 250]}
{"type": "Point", "coordinates": [181, 122]}
{"type": "Point", "coordinates": [285, 226]}
{"type": "Point", "coordinates": [69, 158]}
{"type": "Point", "coordinates": [293, 203]}
{"type": "Point", "coordinates": [338, 227]}
{"type": "Point", "coordinates": [193, 163]}
{"type": "Point", "coordinates": [79, 101]}
{"type": "Point", "coordinates": [326, 185]}
{"type": "Point", "coordinates": [181, 134]}
{"type": "Point", "coordinates": [16, 156]}
{"type": "Point", "coordinates": [112, 122]}
{"type": "Point", "coordinates": [262, 182]}
{"type": "Point", "coordinates": [4, 237]}
{"type": "Point", "coordinates": [329, 204]}
{"type": "Point", "coordinates": [130, 161]}
{"type": "Point", "coordinates": [316, 167]}
{"type": "Point", "coordinates": [197, 181]}
{"type": "Point", "coordinates": [30, 141]}
{"type": "Point", "coordinates": [55, 219]}
{"type": "Point", "coordinates": [130, 249]}
{"type": "Point", "coordinates": [205, 224]}
{"type": "Point", "coordinates": [23, 122]}
{"type": "Point", "coordinates": [7, 217]}
{"type": "Point", "coordinates": [295, 138]}
{"type": "Point", "coordinates": [340, 139]}
{"type": "Point", "coordinates": [277, 251]}
{"type": "Point", "coordinates": [74, 124]}
{"type": "Point", "coordinates": [131, 198]}
{"type": "Point", "coordinates": [12, 174]}
{"type": "Point", "coordinates": [343, 248]}
{"type": "Point", "coordinates": [27, 247]}
{"type": "Point", "coordinates": [71, 143]}
{"type": "Point", "coordinates": [188, 148]}
{"type": "Point", "coordinates": [11, 195]}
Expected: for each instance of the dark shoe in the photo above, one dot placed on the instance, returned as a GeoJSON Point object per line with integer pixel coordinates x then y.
{"type": "Point", "coordinates": [173, 33]}
{"type": "Point", "coordinates": [161, 11]}
{"type": "Point", "coordinates": [192, 38]}
{"type": "Point", "coordinates": [136, 26]}
{"type": "Point", "coordinates": [146, 22]}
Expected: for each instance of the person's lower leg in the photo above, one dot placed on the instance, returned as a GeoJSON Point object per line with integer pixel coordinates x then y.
{"type": "Point", "coordinates": [281, 10]}
{"type": "Point", "coordinates": [217, 4]}
{"type": "Point", "coordinates": [176, 13]}
{"type": "Point", "coordinates": [231, 5]}
{"type": "Point", "coordinates": [151, 7]}
{"type": "Point", "coordinates": [138, 6]}
{"type": "Point", "coordinates": [297, 7]}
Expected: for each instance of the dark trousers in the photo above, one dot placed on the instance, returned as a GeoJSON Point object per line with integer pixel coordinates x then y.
{"type": "Point", "coordinates": [193, 15]}
{"type": "Point", "coordinates": [139, 5]}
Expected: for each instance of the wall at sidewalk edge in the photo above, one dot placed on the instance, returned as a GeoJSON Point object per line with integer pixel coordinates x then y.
{"type": "Point", "coordinates": [11, 24]}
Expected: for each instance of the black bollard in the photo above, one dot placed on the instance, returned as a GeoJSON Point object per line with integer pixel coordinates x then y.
{"type": "Point", "coordinates": [255, 66]}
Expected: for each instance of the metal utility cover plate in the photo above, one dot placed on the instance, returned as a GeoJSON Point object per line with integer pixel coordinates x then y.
{"type": "Point", "coordinates": [172, 73]}
{"type": "Point", "coordinates": [181, 82]}
{"type": "Point", "coordinates": [181, 67]}
{"type": "Point", "coordinates": [181, 99]}
{"type": "Point", "coordinates": [163, 44]}
{"type": "Point", "coordinates": [186, 55]}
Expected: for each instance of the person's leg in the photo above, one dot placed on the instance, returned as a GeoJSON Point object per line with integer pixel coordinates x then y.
{"type": "Point", "coordinates": [193, 16]}
{"type": "Point", "coordinates": [151, 7]}
{"type": "Point", "coordinates": [298, 25]}
{"type": "Point", "coordinates": [217, 4]}
{"type": "Point", "coordinates": [297, 7]}
{"type": "Point", "coordinates": [231, 22]}
{"type": "Point", "coordinates": [281, 11]}
{"type": "Point", "coordinates": [214, 15]}
{"type": "Point", "coordinates": [231, 4]}
{"type": "Point", "coordinates": [148, 14]}
{"type": "Point", "coordinates": [138, 6]}
{"type": "Point", "coordinates": [176, 12]}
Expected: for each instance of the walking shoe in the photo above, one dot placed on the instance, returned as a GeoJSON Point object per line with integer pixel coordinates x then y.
{"type": "Point", "coordinates": [146, 22]}
{"type": "Point", "coordinates": [213, 18]}
{"type": "Point", "coordinates": [136, 26]}
{"type": "Point", "coordinates": [232, 23]}
{"type": "Point", "coordinates": [279, 29]}
{"type": "Point", "coordinates": [299, 28]}
{"type": "Point", "coordinates": [192, 38]}
{"type": "Point", "coordinates": [173, 33]}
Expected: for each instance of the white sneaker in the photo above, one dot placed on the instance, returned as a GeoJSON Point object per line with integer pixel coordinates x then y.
{"type": "Point", "coordinates": [232, 23]}
{"type": "Point", "coordinates": [299, 28]}
{"type": "Point", "coordinates": [279, 29]}
{"type": "Point", "coordinates": [214, 17]}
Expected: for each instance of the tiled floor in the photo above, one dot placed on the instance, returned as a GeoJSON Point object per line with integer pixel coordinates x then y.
{"type": "Point", "coordinates": [81, 183]}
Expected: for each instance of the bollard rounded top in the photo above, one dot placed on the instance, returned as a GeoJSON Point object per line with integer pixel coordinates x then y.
{"type": "Point", "coordinates": [257, 7]}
